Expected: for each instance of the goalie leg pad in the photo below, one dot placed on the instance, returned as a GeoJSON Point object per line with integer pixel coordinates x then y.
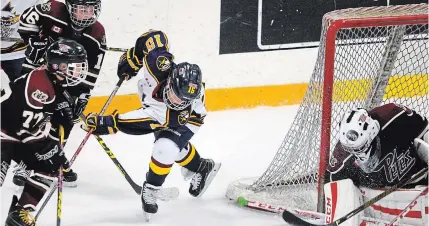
{"type": "Point", "coordinates": [341, 197]}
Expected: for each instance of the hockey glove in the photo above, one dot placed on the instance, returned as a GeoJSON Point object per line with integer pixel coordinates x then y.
{"type": "Point", "coordinates": [129, 65]}
{"type": "Point", "coordinates": [102, 125]}
{"type": "Point", "coordinates": [64, 108]}
{"type": "Point", "coordinates": [36, 49]}
{"type": "Point", "coordinates": [81, 103]}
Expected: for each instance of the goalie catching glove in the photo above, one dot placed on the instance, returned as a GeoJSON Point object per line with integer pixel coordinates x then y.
{"type": "Point", "coordinates": [102, 125]}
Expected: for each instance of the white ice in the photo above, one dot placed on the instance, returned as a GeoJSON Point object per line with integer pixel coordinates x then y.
{"type": "Point", "coordinates": [245, 141]}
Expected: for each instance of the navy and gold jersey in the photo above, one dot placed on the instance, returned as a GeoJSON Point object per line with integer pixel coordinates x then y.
{"type": "Point", "coordinates": [152, 57]}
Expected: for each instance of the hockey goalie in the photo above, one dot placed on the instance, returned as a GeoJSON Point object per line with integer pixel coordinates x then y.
{"type": "Point", "coordinates": [376, 149]}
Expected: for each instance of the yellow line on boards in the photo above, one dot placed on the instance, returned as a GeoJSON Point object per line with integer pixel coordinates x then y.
{"type": "Point", "coordinates": [279, 95]}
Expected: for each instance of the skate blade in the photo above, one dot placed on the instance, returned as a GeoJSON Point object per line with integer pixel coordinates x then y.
{"type": "Point", "coordinates": [212, 174]}
{"type": "Point", "coordinates": [147, 216]}
{"type": "Point", "coordinates": [70, 184]}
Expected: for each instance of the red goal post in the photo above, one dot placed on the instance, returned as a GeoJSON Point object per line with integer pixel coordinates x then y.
{"type": "Point", "coordinates": [367, 57]}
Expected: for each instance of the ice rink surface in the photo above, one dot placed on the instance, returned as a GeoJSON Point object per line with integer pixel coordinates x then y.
{"type": "Point", "coordinates": [245, 141]}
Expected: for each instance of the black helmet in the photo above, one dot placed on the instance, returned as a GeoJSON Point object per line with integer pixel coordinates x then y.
{"type": "Point", "coordinates": [83, 13]}
{"type": "Point", "coordinates": [183, 86]}
{"type": "Point", "coordinates": [67, 58]}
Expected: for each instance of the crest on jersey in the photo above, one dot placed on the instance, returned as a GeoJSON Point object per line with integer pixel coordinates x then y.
{"type": "Point", "coordinates": [39, 96]}
{"type": "Point", "coordinates": [183, 117]}
{"type": "Point", "coordinates": [163, 63]}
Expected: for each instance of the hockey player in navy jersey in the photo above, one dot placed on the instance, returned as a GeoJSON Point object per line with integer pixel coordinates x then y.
{"type": "Point", "coordinates": [172, 97]}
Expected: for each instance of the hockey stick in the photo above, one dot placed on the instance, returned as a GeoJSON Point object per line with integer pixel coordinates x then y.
{"type": "Point", "coordinates": [135, 186]}
{"type": "Point", "coordinates": [85, 139]}
{"type": "Point", "coordinates": [243, 202]}
{"type": "Point", "coordinates": [60, 178]}
{"type": "Point", "coordinates": [114, 49]}
{"type": "Point", "coordinates": [408, 208]}
{"type": "Point", "coordinates": [296, 220]}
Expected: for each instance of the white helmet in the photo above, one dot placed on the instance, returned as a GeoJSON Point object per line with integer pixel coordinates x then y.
{"type": "Point", "coordinates": [357, 131]}
{"type": "Point", "coordinates": [358, 136]}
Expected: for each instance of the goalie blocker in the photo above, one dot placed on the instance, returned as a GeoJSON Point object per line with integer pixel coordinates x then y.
{"type": "Point", "coordinates": [374, 153]}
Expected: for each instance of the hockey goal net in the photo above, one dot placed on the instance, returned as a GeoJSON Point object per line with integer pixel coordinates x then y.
{"type": "Point", "coordinates": [367, 57]}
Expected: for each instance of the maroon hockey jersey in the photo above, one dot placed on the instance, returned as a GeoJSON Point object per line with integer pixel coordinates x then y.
{"type": "Point", "coordinates": [25, 112]}
{"type": "Point", "coordinates": [399, 127]}
{"type": "Point", "coordinates": [52, 20]}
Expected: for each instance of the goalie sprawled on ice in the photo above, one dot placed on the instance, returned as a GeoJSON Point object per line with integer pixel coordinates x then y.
{"type": "Point", "coordinates": [376, 149]}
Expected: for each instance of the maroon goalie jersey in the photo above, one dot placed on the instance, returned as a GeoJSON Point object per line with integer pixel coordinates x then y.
{"type": "Point", "coordinates": [52, 20]}
{"type": "Point", "coordinates": [399, 159]}
{"type": "Point", "coordinates": [26, 107]}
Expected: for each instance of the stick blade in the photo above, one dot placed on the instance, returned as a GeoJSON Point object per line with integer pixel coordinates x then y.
{"type": "Point", "coordinates": [292, 219]}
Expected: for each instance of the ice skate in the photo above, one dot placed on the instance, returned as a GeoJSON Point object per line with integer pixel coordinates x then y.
{"type": "Point", "coordinates": [20, 176]}
{"type": "Point", "coordinates": [203, 177]}
{"type": "Point", "coordinates": [69, 178]}
{"type": "Point", "coordinates": [149, 197]}
{"type": "Point", "coordinates": [19, 216]}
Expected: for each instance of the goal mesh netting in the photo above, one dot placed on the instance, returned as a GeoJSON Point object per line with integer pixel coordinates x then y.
{"type": "Point", "coordinates": [367, 57]}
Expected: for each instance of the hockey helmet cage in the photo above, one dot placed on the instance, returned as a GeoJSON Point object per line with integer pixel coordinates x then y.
{"type": "Point", "coordinates": [83, 13]}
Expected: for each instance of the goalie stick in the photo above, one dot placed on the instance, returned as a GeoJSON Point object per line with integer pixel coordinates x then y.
{"type": "Point", "coordinates": [79, 149]}
{"type": "Point", "coordinates": [291, 218]}
{"type": "Point", "coordinates": [114, 49]}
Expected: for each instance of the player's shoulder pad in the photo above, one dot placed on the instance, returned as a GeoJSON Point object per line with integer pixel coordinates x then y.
{"type": "Point", "coordinates": [387, 112]}
{"type": "Point", "coordinates": [98, 33]}
{"type": "Point", "coordinates": [39, 89]}
{"type": "Point", "coordinates": [55, 10]}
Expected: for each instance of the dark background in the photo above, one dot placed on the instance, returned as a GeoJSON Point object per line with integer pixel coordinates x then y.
{"type": "Point", "coordinates": [294, 21]}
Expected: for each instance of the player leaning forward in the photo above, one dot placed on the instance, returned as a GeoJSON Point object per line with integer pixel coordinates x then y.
{"type": "Point", "coordinates": [376, 149]}
{"type": "Point", "coordinates": [27, 105]}
{"type": "Point", "coordinates": [172, 107]}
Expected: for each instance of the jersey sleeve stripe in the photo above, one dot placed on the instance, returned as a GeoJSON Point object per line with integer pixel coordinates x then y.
{"type": "Point", "coordinates": [28, 29]}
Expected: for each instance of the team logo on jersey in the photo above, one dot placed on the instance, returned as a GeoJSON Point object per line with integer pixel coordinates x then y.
{"type": "Point", "coordinates": [163, 63]}
{"type": "Point", "coordinates": [39, 96]}
{"type": "Point", "coordinates": [183, 117]}
{"type": "Point", "coordinates": [396, 167]}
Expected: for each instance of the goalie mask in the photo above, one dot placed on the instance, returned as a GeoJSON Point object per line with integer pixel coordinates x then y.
{"type": "Point", "coordinates": [83, 13]}
{"type": "Point", "coordinates": [183, 86]}
{"type": "Point", "coordinates": [358, 136]}
{"type": "Point", "coordinates": [68, 60]}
